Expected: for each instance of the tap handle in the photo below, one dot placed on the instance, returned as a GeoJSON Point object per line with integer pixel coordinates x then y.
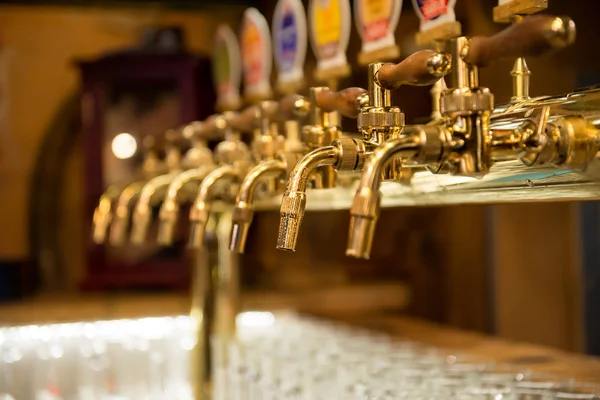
{"type": "Point", "coordinates": [346, 101]}
{"type": "Point", "coordinates": [287, 108]}
{"type": "Point", "coordinates": [245, 121]}
{"type": "Point", "coordinates": [173, 138]}
{"type": "Point", "coordinates": [534, 36]}
{"type": "Point", "coordinates": [150, 144]}
{"type": "Point", "coordinates": [211, 126]}
{"type": "Point", "coordinates": [422, 68]}
{"type": "Point", "coordinates": [194, 131]}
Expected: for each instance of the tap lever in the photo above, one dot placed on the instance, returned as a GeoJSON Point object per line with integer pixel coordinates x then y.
{"type": "Point", "coordinates": [346, 101]}
{"type": "Point", "coordinates": [245, 121]}
{"type": "Point", "coordinates": [212, 126]}
{"type": "Point", "coordinates": [422, 68]}
{"type": "Point", "coordinates": [289, 107]}
{"type": "Point", "coordinates": [534, 36]}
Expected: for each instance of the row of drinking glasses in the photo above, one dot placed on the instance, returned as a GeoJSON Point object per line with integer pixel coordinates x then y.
{"type": "Point", "coordinates": [274, 358]}
{"type": "Point", "coordinates": [105, 360]}
{"type": "Point", "coordinates": [305, 359]}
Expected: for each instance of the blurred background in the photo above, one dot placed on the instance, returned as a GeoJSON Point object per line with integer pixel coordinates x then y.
{"type": "Point", "coordinates": [75, 74]}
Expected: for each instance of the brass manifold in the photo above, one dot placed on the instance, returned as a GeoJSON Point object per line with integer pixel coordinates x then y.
{"type": "Point", "coordinates": [471, 136]}
{"type": "Point", "coordinates": [467, 140]}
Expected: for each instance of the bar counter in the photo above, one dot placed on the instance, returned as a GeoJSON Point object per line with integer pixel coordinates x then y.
{"type": "Point", "coordinates": [117, 306]}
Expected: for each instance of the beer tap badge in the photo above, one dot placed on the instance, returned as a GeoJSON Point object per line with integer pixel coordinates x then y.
{"type": "Point", "coordinates": [227, 68]}
{"type": "Point", "coordinates": [329, 24]}
{"type": "Point", "coordinates": [289, 40]}
{"type": "Point", "coordinates": [434, 12]}
{"type": "Point", "coordinates": [255, 42]}
{"type": "Point", "coordinates": [376, 21]}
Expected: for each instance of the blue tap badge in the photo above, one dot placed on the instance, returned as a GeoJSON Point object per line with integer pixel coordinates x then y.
{"type": "Point", "coordinates": [434, 12]}
{"type": "Point", "coordinates": [289, 40]}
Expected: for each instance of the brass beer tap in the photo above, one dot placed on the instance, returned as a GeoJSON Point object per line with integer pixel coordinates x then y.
{"type": "Point", "coordinates": [155, 189]}
{"type": "Point", "coordinates": [273, 168]}
{"type": "Point", "coordinates": [104, 213]}
{"type": "Point", "coordinates": [199, 162]}
{"type": "Point", "coordinates": [465, 143]}
{"type": "Point", "coordinates": [120, 224]}
{"type": "Point", "coordinates": [378, 121]}
{"type": "Point", "coordinates": [235, 160]}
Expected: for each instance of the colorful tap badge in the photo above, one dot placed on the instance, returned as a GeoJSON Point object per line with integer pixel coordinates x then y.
{"type": "Point", "coordinates": [289, 41]}
{"type": "Point", "coordinates": [329, 24]}
{"type": "Point", "coordinates": [227, 69]}
{"type": "Point", "coordinates": [434, 13]}
{"type": "Point", "coordinates": [255, 42]}
{"type": "Point", "coordinates": [376, 21]}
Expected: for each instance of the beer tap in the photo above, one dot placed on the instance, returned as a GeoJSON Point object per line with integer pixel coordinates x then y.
{"type": "Point", "coordinates": [235, 160]}
{"type": "Point", "coordinates": [155, 189]}
{"type": "Point", "coordinates": [199, 162]}
{"type": "Point", "coordinates": [152, 166]}
{"type": "Point", "coordinates": [378, 122]}
{"type": "Point", "coordinates": [120, 224]}
{"type": "Point", "coordinates": [274, 168]}
{"type": "Point", "coordinates": [464, 144]}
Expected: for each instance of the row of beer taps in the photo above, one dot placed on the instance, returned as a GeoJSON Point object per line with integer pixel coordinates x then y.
{"type": "Point", "coordinates": [460, 141]}
{"type": "Point", "coordinates": [299, 139]}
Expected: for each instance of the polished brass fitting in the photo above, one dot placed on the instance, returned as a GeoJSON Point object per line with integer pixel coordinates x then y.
{"type": "Point", "coordinates": [378, 122]}
{"type": "Point", "coordinates": [200, 161]}
{"type": "Point", "coordinates": [103, 216]}
{"type": "Point", "coordinates": [235, 159]}
{"type": "Point", "coordinates": [345, 154]}
{"type": "Point", "coordinates": [119, 227]}
{"type": "Point", "coordinates": [200, 212]}
{"type": "Point", "coordinates": [419, 145]}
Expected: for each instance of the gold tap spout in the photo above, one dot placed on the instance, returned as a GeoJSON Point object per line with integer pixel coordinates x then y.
{"type": "Point", "coordinates": [120, 222]}
{"type": "Point", "coordinates": [243, 212]}
{"type": "Point", "coordinates": [142, 214]}
{"type": "Point", "coordinates": [103, 214]}
{"type": "Point", "coordinates": [170, 208]}
{"type": "Point", "coordinates": [345, 154]}
{"type": "Point", "coordinates": [201, 208]}
{"type": "Point", "coordinates": [418, 144]}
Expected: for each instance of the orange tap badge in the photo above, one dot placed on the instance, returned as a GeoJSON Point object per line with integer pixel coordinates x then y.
{"type": "Point", "coordinates": [255, 43]}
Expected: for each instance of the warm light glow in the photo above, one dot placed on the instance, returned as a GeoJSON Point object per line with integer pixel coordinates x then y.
{"type": "Point", "coordinates": [124, 146]}
{"type": "Point", "coordinates": [255, 319]}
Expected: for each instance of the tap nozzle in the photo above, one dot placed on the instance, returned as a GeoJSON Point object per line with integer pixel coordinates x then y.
{"type": "Point", "coordinates": [103, 214]}
{"type": "Point", "coordinates": [201, 208]}
{"type": "Point", "coordinates": [169, 211]}
{"type": "Point", "coordinates": [419, 145]}
{"type": "Point", "coordinates": [364, 213]}
{"type": "Point", "coordinates": [167, 224]}
{"type": "Point", "coordinates": [345, 154]}
{"type": "Point", "coordinates": [120, 221]}
{"type": "Point", "coordinates": [243, 212]}
{"type": "Point", "coordinates": [142, 214]}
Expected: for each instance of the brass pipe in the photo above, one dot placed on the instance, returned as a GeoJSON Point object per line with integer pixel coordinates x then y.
{"type": "Point", "coordinates": [293, 202]}
{"type": "Point", "coordinates": [170, 208]}
{"type": "Point", "coordinates": [201, 315]}
{"type": "Point", "coordinates": [120, 221]}
{"type": "Point", "coordinates": [202, 205]}
{"type": "Point", "coordinates": [103, 214]}
{"type": "Point", "coordinates": [243, 211]}
{"type": "Point", "coordinates": [418, 144]}
{"type": "Point", "coordinates": [142, 213]}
